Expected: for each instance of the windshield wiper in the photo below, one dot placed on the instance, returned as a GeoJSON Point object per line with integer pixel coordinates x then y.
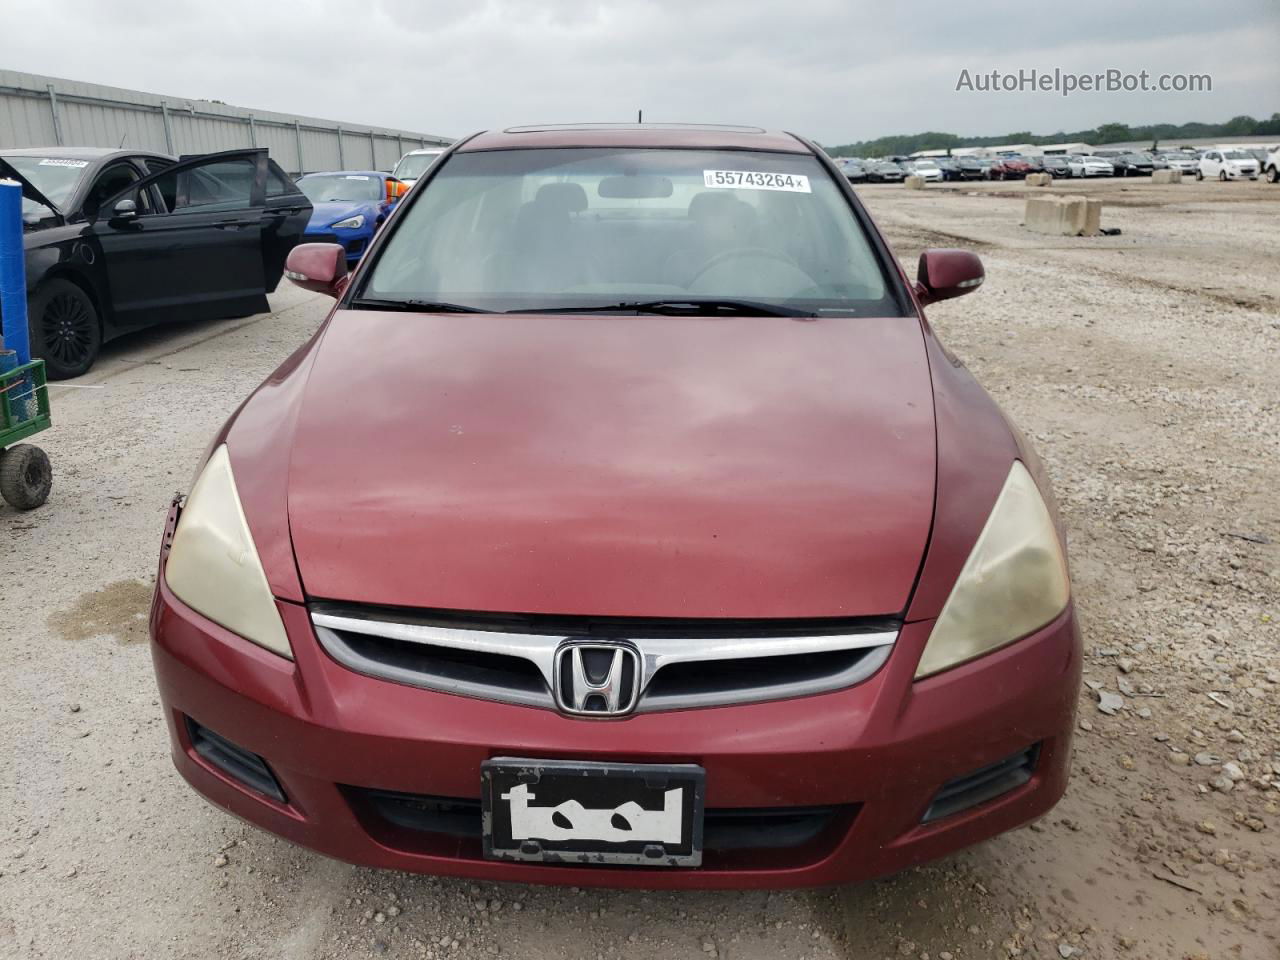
{"type": "Point", "coordinates": [691, 307]}
{"type": "Point", "coordinates": [416, 306]}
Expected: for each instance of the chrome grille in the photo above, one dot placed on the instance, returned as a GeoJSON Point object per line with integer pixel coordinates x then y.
{"type": "Point", "coordinates": [682, 664]}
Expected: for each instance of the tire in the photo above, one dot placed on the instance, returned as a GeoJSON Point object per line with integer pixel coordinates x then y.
{"type": "Point", "coordinates": [25, 476]}
{"type": "Point", "coordinates": [1273, 175]}
{"type": "Point", "coordinates": [65, 330]}
{"type": "Point", "coordinates": [1222, 176]}
{"type": "Point", "coordinates": [1199, 174]}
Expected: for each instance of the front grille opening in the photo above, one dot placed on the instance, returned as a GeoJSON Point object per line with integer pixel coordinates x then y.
{"type": "Point", "coordinates": [442, 815]}
{"type": "Point", "coordinates": [243, 766]}
{"type": "Point", "coordinates": [701, 678]}
{"type": "Point", "coordinates": [444, 824]}
{"type": "Point", "coordinates": [448, 663]}
{"type": "Point", "coordinates": [782, 828]}
{"type": "Point", "coordinates": [983, 784]}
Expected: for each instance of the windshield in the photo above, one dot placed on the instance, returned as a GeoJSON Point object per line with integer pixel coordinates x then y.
{"type": "Point", "coordinates": [533, 229]}
{"type": "Point", "coordinates": [55, 177]}
{"type": "Point", "coordinates": [414, 165]}
{"type": "Point", "coordinates": [323, 187]}
{"type": "Point", "coordinates": [1235, 155]}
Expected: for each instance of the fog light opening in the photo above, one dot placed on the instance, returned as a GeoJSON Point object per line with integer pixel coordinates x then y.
{"type": "Point", "coordinates": [243, 766]}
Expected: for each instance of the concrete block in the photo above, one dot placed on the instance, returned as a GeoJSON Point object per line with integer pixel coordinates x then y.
{"type": "Point", "coordinates": [1063, 216]}
{"type": "Point", "coordinates": [1039, 179]}
{"type": "Point", "coordinates": [1092, 225]}
{"type": "Point", "coordinates": [1166, 176]}
{"type": "Point", "coordinates": [914, 183]}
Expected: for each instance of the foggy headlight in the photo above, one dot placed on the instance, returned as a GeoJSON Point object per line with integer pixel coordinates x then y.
{"type": "Point", "coordinates": [213, 565]}
{"type": "Point", "coordinates": [1014, 582]}
{"type": "Point", "coordinates": [351, 223]}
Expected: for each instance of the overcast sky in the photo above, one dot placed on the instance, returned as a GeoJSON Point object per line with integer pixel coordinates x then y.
{"type": "Point", "coordinates": [835, 70]}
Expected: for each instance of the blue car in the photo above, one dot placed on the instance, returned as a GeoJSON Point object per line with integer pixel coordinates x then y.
{"type": "Point", "coordinates": [348, 207]}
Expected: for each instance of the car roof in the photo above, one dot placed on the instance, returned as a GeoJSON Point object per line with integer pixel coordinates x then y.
{"type": "Point", "coordinates": [81, 153]}
{"type": "Point", "coordinates": [646, 135]}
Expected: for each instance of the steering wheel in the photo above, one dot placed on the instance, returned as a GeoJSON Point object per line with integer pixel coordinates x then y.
{"type": "Point", "coordinates": [763, 253]}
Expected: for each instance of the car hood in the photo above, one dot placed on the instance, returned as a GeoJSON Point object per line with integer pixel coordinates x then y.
{"type": "Point", "coordinates": [328, 212]}
{"type": "Point", "coordinates": [615, 465]}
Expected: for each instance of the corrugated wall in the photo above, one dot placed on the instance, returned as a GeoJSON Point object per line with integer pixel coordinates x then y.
{"type": "Point", "coordinates": [38, 111]}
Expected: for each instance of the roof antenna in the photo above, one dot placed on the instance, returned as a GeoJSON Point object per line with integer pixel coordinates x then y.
{"type": "Point", "coordinates": [639, 116]}
{"type": "Point", "coordinates": [122, 140]}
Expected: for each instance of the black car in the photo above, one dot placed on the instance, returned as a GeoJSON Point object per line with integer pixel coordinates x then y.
{"type": "Point", "coordinates": [1056, 165]}
{"type": "Point", "coordinates": [116, 240]}
{"type": "Point", "coordinates": [1132, 165]}
{"type": "Point", "coordinates": [951, 169]}
{"type": "Point", "coordinates": [885, 171]}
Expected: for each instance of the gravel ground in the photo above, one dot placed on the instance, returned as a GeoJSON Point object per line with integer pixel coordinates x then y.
{"type": "Point", "coordinates": [1143, 366]}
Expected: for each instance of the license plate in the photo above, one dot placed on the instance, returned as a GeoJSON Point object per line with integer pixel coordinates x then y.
{"type": "Point", "coordinates": [557, 811]}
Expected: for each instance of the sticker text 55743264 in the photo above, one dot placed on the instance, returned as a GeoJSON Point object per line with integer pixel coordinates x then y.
{"type": "Point", "coordinates": [754, 180]}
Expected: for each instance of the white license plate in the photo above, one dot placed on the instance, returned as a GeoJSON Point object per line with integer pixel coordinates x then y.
{"type": "Point", "coordinates": [559, 811]}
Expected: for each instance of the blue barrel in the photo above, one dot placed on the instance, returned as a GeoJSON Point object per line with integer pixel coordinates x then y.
{"type": "Point", "coordinates": [13, 274]}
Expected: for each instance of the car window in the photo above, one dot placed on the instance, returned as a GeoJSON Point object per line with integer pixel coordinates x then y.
{"type": "Point", "coordinates": [107, 184]}
{"type": "Point", "coordinates": [279, 185]}
{"type": "Point", "coordinates": [413, 165]}
{"type": "Point", "coordinates": [332, 187]}
{"type": "Point", "coordinates": [210, 187]}
{"type": "Point", "coordinates": [526, 229]}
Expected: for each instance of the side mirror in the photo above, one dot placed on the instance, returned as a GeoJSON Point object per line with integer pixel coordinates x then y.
{"type": "Point", "coordinates": [944, 274]}
{"type": "Point", "coordinates": [124, 212]}
{"type": "Point", "coordinates": [318, 267]}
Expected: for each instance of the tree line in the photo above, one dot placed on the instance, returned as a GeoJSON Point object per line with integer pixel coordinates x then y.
{"type": "Point", "coordinates": [1166, 133]}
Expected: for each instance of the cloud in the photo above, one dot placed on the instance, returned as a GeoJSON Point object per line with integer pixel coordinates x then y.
{"type": "Point", "coordinates": [833, 69]}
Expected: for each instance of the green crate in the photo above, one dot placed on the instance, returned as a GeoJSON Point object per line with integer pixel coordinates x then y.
{"type": "Point", "coordinates": [24, 403]}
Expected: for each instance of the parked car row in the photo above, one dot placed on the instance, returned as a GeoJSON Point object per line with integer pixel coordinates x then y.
{"type": "Point", "coordinates": [1221, 164]}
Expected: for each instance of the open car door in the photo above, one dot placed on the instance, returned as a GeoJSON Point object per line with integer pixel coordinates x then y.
{"type": "Point", "coordinates": [187, 242]}
{"type": "Point", "coordinates": [288, 211]}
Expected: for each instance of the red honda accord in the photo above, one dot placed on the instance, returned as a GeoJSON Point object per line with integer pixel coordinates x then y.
{"type": "Point", "coordinates": [625, 523]}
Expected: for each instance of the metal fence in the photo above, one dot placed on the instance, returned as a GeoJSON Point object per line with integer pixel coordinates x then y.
{"type": "Point", "coordinates": [37, 111]}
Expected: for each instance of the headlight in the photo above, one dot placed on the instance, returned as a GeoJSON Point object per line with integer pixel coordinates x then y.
{"type": "Point", "coordinates": [351, 223]}
{"type": "Point", "coordinates": [1014, 582]}
{"type": "Point", "coordinates": [213, 565]}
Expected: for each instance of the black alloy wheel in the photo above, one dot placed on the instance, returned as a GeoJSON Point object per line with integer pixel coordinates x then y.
{"type": "Point", "coordinates": [66, 331]}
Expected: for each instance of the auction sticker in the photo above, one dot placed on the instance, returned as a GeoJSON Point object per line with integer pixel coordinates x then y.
{"type": "Point", "coordinates": [54, 162]}
{"type": "Point", "coordinates": [754, 180]}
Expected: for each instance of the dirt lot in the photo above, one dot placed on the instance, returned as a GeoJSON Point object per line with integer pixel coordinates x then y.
{"type": "Point", "coordinates": [1144, 366]}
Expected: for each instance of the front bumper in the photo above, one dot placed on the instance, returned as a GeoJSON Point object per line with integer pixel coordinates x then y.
{"type": "Point", "coordinates": [879, 751]}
